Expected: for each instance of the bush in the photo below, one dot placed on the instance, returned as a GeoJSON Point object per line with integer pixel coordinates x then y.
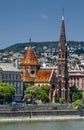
{"type": "Point", "coordinates": [57, 100]}
{"type": "Point", "coordinates": [77, 104]}
{"type": "Point", "coordinates": [61, 100]}
{"type": "Point", "coordinates": [76, 96]}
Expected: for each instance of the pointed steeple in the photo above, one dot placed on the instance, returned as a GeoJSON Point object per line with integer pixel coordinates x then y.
{"type": "Point", "coordinates": [62, 63]}
{"type": "Point", "coordinates": [62, 42]}
{"type": "Point", "coordinates": [29, 58]}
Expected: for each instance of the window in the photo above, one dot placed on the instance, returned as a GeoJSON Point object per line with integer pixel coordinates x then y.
{"type": "Point", "coordinates": [59, 55]}
{"type": "Point", "coordinates": [9, 76]}
{"type": "Point", "coordinates": [63, 56]}
{"type": "Point", "coordinates": [6, 76]}
{"type": "Point", "coordinates": [2, 76]}
{"type": "Point", "coordinates": [59, 69]}
{"type": "Point", "coordinates": [16, 76]}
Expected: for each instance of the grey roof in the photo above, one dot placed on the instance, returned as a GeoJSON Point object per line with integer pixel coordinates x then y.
{"type": "Point", "coordinates": [8, 67]}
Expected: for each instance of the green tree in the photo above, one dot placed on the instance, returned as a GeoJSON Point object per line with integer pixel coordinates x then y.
{"type": "Point", "coordinates": [73, 90]}
{"type": "Point", "coordinates": [44, 97]}
{"type": "Point", "coordinates": [33, 93]}
{"type": "Point", "coordinates": [7, 92]}
{"type": "Point", "coordinates": [26, 86]}
{"type": "Point", "coordinates": [45, 88]}
{"type": "Point", "coordinates": [75, 94]}
{"type": "Point", "coordinates": [45, 93]}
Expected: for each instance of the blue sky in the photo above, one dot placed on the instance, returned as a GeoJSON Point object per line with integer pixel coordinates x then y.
{"type": "Point", "coordinates": [40, 19]}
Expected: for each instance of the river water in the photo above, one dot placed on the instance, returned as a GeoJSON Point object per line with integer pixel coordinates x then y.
{"type": "Point", "coordinates": [44, 125]}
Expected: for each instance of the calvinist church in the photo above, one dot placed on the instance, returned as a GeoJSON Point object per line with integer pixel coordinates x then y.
{"type": "Point", "coordinates": [33, 74]}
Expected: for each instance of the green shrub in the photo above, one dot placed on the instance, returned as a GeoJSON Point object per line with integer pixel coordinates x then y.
{"type": "Point", "coordinates": [61, 100]}
{"type": "Point", "coordinates": [77, 104]}
{"type": "Point", "coordinates": [76, 96]}
{"type": "Point", "coordinates": [57, 100]}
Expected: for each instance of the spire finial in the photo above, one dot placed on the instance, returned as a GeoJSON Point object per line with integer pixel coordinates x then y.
{"type": "Point", "coordinates": [63, 14]}
{"type": "Point", "coordinates": [30, 40]}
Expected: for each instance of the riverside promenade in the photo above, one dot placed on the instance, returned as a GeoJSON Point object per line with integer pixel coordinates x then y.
{"type": "Point", "coordinates": [40, 113]}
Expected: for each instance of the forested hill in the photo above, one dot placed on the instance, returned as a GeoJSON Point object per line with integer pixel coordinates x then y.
{"type": "Point", "coordinates": [20, 46]}
{"type": "Point", "coordinates": [74, 46]}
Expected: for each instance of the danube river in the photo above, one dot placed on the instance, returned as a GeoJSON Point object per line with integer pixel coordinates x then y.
{"type": "Point", "coordinates": [44, 125]}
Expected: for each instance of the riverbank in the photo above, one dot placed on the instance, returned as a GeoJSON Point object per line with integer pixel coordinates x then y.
{"type": "Point", "coordinates": [43, 118]}
{"type": "Point", "coordinates": [40, 113]}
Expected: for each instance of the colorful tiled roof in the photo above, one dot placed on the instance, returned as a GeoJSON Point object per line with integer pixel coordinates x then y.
{"type": "Point", "coordinates": [43, 75]}
{"type": "Point", "coordinates": [29, 58]}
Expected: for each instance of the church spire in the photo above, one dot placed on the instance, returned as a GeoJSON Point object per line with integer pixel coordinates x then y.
{"type": "Point", "coordinates": [62, 64]}
{"type": "Point", "coordinates": [62, 33]}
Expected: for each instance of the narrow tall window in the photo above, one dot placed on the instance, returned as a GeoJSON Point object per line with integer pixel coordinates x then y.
{"type": "Point", "coordinates": [59, 69]}
{"type": "Point", "coordinates": [63, 56]}
{"type": "Point", "coordinates": [59, 55]}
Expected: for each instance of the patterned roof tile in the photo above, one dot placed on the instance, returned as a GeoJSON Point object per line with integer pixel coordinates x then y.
{"type": "Point", "coordinates": [43, 75]}
{"type": "Point", "coordinates": [29, 58]}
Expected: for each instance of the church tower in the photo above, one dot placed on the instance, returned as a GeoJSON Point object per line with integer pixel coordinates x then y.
{"type": "Point", "coordinates": [29, 66]}
{"type": "Point", "coordinates": [62, 85]}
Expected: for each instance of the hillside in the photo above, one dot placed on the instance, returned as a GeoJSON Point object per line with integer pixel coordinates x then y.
{"type": "Point", "coordinates": [73, 46]}
{"type": "Point", "coordinates": [20, 46]}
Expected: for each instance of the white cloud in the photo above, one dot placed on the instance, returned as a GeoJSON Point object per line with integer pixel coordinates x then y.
{"type": "Point", "coordinates": [43, 16]}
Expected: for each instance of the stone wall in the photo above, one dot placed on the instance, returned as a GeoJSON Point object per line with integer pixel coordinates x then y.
{"type": "Point", "coordinates": [41, 113]}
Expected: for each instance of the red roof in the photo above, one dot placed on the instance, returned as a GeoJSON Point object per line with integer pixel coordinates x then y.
{"type": "Point", "coordinates": [41, 76]}
{"type": "Point", "coordinates": [29, 58]}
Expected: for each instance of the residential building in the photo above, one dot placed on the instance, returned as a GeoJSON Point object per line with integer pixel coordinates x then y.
{"type": "Point", "coordinates": [11, 75]}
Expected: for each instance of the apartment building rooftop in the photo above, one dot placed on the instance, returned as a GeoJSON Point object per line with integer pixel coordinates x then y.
{"type": "Point", "coordinates": [8, 67]}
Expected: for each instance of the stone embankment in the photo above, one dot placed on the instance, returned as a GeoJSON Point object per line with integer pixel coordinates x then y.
{"type": "Point", "coordinates": [39, 112]}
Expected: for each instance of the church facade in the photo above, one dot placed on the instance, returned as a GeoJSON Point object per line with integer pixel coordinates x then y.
{"type": "Point", "coordinates": [32, 73]}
